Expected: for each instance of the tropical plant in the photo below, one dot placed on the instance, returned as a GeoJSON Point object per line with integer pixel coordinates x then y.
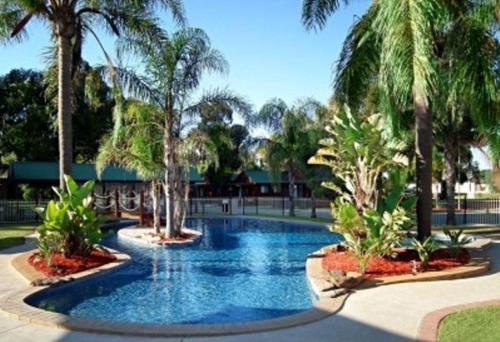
{"type": "Point", "coordinates": [371, 211]}
{"type": "Point", "coordinates": [71, 22]}
{"type": "Point", "coordinates": [287, 148]}
{"type": "Point", "coordinates": [359, 151]}
{"type": "Point", "coordinates": [425, 249]}
{"type": "Point", "coordinates": [457, 240]}
{"type": "Point", "coordinates": [394, 43]}
{"type": "Point", "coordinates": [173, 68]}
{"type": "Point", "coordinates": [374, 232]}
{"type": "Point", "coordinates": [70, 225]}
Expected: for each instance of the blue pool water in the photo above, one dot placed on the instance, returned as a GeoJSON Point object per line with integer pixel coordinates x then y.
{"type": "Point", "coordinates": [242, 270]}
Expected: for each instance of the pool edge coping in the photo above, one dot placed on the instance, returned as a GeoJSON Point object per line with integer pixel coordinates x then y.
{"type": "Point", "coordinates": [15, 306]}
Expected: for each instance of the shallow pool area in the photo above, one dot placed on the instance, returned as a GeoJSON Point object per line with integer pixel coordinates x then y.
{"type": "Point", "coordinates": [242, 270]}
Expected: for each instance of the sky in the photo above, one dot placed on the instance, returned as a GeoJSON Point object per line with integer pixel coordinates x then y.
{"type": "Point", "coordinates": [269, 51]}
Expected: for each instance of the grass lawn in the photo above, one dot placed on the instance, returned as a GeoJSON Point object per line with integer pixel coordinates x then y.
{"type": "Point", "coordinates": [481, 324]}
{"type": "Point", "coordinates": [14, 235]}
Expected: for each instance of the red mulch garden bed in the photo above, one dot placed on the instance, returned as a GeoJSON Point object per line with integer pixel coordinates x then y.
{"type": "Point", "coordinates": [62, 266]}
{"type": "Point", "coordinates": [401, 264]}
{"type": "Point", "coordinates": [182, 237]}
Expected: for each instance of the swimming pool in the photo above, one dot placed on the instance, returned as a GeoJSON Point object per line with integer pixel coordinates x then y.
{"type": "Point", "coordinates": [242, 270]}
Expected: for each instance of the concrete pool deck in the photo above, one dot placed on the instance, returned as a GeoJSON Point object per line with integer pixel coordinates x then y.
{"type": "Point", "coordinates": [388, 313]}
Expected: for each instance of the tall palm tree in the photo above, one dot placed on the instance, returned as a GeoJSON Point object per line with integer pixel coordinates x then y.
{"type": "Point", "coordinates": [394, 42]}
{"type": "Point", "coordinates": [467, 103]}
{"type": "Point", "coordinates": [70, 21]}
{"type": "Point", "coordinates": [288, 148]}
{"type": "Point", "coordinates": [174, 66]}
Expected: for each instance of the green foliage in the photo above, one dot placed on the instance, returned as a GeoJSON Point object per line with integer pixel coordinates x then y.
{"type": "Point", "coordinates": [373, 232]}
{"type": "Point", "coordinates": [71, 225]}
{"type": "Point", "coordinates": [425, 249]}
{"type": "Point", "coordinates": [28, 105]}
{"type": "Point", "coordinates": [359, 151]}
{"type": "Point", "coordinates": [372, 211]}
{"type": "Point", "coordinates": [457, 240]}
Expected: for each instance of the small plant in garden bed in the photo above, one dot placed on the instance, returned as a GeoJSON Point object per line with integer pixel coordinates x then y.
{"type": "Point", "coordinates": [425, 250]}
{"type": "Point", "coordinates": [400, 263]}
{"type": "Point", "coordinates": [457, 240]}
{"type": "Point", "coordinates": [70, 225]}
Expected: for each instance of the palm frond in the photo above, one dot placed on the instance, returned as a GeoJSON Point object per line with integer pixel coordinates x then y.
{"type": "Point", "coordinates": [315, 13]}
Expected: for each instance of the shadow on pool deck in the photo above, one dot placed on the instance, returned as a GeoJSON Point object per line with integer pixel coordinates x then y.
{"type": "Point", "coordinates": [332, 329]}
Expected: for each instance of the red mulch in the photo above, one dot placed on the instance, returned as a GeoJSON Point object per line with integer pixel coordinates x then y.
{"type": "Point", "coordinates": [182, 237]}
{"type": "Point", "coordinates": [401, 264]}
{"type": "Point", "coordinates": [62, 266]}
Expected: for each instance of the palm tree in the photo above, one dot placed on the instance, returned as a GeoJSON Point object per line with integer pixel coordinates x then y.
{"type": "Point", "coordinates": [136, 144]}
{"type": "Point", "coordinates": [467, 97]}
{"type": "Point", "coordinates": [174, 66]}
{"type": "Point", "coordinates": [70, 22]}
{"type": "Point", "coordinates": [394, 44]}
{"type": "Point", "coordinates": [288, 148]}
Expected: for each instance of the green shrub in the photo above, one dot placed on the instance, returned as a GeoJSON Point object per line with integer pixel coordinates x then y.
{"type": "Point", "coordinates": [372, 233]}
{"type": "Point", "coordinates": [457, 241]}
{"type": "Point", "coordinates": [425, 249]}
{"type": "Point", "coordinates": [70, 225]}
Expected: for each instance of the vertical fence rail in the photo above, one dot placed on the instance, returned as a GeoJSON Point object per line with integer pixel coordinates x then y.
{"type": "Point", "coordinates": [20, 212]}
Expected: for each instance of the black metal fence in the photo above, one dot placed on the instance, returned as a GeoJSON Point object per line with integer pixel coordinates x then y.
{"type": "Point", "coordinates": [20, 212]}
{"type": "Point", "coordinates": [467, 211]}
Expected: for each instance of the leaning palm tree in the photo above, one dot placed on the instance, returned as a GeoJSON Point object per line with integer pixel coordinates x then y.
{"type": "Point", "coordinates": [394, 44]}
{"type": "Point", "coordinates": [173, 67]}
{"type": "Point", "coordinates": [288, 148]}
{"type": "Point", "coordinates": [70, 22]}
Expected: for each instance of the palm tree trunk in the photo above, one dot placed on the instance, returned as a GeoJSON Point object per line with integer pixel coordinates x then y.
{"type": "Point", "coordinates": [64, 107]}
{"type": "Point", "coordinates": [451, 159]}
{"type": "Point", "coordinates": [169, 188]}
{"type": "Point", "coordinates": [179, 198]}
{"type": "Point", "coordinates": [291, 192]}
{"type": "Point", "coordinates": [423, 145]}
{"type": "Point", "coordinates": [155, 194]}
{"type": "Point", "coordinates": [313, 205]}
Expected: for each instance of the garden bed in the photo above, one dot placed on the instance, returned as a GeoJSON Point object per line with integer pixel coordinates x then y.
{"type": "Point", "coordinates": [403, 262]}
{"type": "Point", "coordinates": [147, 236]}
{"type": "Point", "coordinates": [62, 266]}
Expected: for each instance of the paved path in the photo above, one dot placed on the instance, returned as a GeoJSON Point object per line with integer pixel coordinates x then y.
{"type": "Point", "coordinates": [390, 313]}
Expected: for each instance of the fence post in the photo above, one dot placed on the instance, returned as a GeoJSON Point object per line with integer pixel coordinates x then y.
{"type": "Point", "coordinates": [117, 204]}
{"type": "Point", "coordinates": [497, 211]}
{"type": "Point", "coordinates": [243, 204]}
{"type": "Point", "coordinates": [465, 209]}
{"type": "Point", "coordinates": [282, 205]}
{"type": "Point", "coordinates": [257, 205]}
{"type": "Point", "coordinates": [141, 208]}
